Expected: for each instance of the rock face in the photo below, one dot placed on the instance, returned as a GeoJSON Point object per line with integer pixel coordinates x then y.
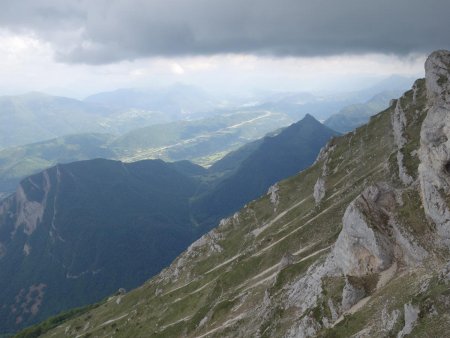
{"type": "Point", "coordinates": [319, 190]}
{"type": "Point", "coordinates": [274, 198]}
{"type": "Point", "coordinates": [434, 152]}
{"type": "Point", "coordinates": [320, 186]}
{"type": "Point", "coordinates": [411, 315]}
{"type": "Point", "coordinates": [398, 126]}
{"type": "Point", "coordinates": [364, 246]}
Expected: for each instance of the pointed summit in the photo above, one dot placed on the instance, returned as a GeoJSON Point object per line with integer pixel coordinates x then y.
{"type": "Point", "coordinates": [308, 118]}
{"type": "Point", "coordinates": [273, 159]}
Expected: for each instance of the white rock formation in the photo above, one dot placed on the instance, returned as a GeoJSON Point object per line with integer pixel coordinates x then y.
{"type": "Point", "coordinates": [411, 316]}
{"type": "Point", "coordinates": [319, 190]}
{"type": "Point", "coordinates": [29, 212]}
{"type": "Point", "coordinates": [389, 319]}
{"type": "Point", "coordinates": [26, 249]}
{"type": "Point", "coordinates": [274, 197]}
{"type": "Point", "coordinates": [398, 120]}
{"type": "Point", "coordinates": [410, 253]}
{"type": "Point", "coordinates": [371, 239]}
{"type": "Point", "coordinates": [320, 187]}
{"type": "Point", "coordinates": [361, 247]}
{"type": "Point", "coordinates": [304, 292]}
{"type": "Point", "coordinates": [434, 152]}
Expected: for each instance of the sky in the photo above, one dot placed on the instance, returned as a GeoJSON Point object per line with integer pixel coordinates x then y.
{"type": "Point", "coordinates": [79, 47]}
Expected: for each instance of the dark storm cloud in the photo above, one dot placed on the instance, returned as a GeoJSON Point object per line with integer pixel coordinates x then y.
{"type": "Point", "coordinates": [102, 31]}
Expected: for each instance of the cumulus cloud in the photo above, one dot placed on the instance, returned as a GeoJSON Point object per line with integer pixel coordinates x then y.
{"type": "Point", "coordinates": [105, 31]}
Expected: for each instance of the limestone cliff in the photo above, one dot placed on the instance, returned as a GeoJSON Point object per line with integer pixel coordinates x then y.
{"type": "Point", "coordinates": [434, 152]}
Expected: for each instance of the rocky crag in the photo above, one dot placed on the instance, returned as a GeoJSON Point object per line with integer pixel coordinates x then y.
{"type": "Point", "coordinates": [357, 245]}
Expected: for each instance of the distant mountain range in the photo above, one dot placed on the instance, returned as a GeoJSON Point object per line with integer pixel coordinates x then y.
{"type": "Point", "coordinates": [177, 101]}
{"type": "Point", "coordinates": [36, 117]}
{"type": "Point", "coordinates": [322, 106]}
{"type": "Point", "coordinates": [125, 125]}
{"type": "Point", "coordinates": [203, 141]}
{"type": "Point", "coordinates": [77, 232]}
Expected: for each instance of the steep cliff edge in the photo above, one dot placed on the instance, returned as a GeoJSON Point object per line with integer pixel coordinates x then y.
{"type": "Point", "coordinates": [357, 245]}
{"type": "Point", "coordinates": [434, 152]}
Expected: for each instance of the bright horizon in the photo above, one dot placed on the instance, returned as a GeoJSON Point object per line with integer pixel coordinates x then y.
{"type": "Point", "coordinates": [29, 65]}
{"type": "Point", "coordinates": [78, 48]}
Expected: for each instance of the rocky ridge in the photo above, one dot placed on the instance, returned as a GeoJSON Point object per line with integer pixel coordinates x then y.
{"type": "Point", "coordinates": [357, 245]}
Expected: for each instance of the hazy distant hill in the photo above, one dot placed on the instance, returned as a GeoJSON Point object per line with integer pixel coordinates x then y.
{"type": "Point", "coordinates": [201, 141]}
{"type": "Point", "coordinates": [355, 115]}
{"type": "Point", "coordinates": [21, 161]}
{"type": "Point", "coordinates": [177, 101]}
{"type": "Point", "coordinates": [322, 106]}
{"type": "Point", "coordinates": [34, 117]}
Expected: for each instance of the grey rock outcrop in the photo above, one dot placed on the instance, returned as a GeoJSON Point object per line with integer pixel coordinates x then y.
{"type": "Point", "coordinates": [30, 212]}
{"type": "Point", "coordinates": [273, 195]}
{"type": "Point", "coordinates": [319, 190]}
{"type": "Point", "coordinates": [434, 152]}
{"type": "Point", "coordinates": [320, 186]}
{"type": "Point", "coordinates": [371, 239]}
{"type": "Point", "coordinates": [363, 245]}
{"type": "Point", "coordinates": [398, 121]}
{"type": "Point", "coordinates": [411, 316]}
{"type": "Point", "coordinates": [389, 319]}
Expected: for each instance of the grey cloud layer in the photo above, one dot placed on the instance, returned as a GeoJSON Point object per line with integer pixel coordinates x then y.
{"type": "Point", "coordinates": [102, 31]}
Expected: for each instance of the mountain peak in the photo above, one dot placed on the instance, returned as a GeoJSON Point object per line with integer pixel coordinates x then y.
{"type": "Point", "coordinates": [309, 118]}
{"type": "Point", "coordinates": [437, 71]}
{"type": "Point", "coordinates": [309, 121]}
